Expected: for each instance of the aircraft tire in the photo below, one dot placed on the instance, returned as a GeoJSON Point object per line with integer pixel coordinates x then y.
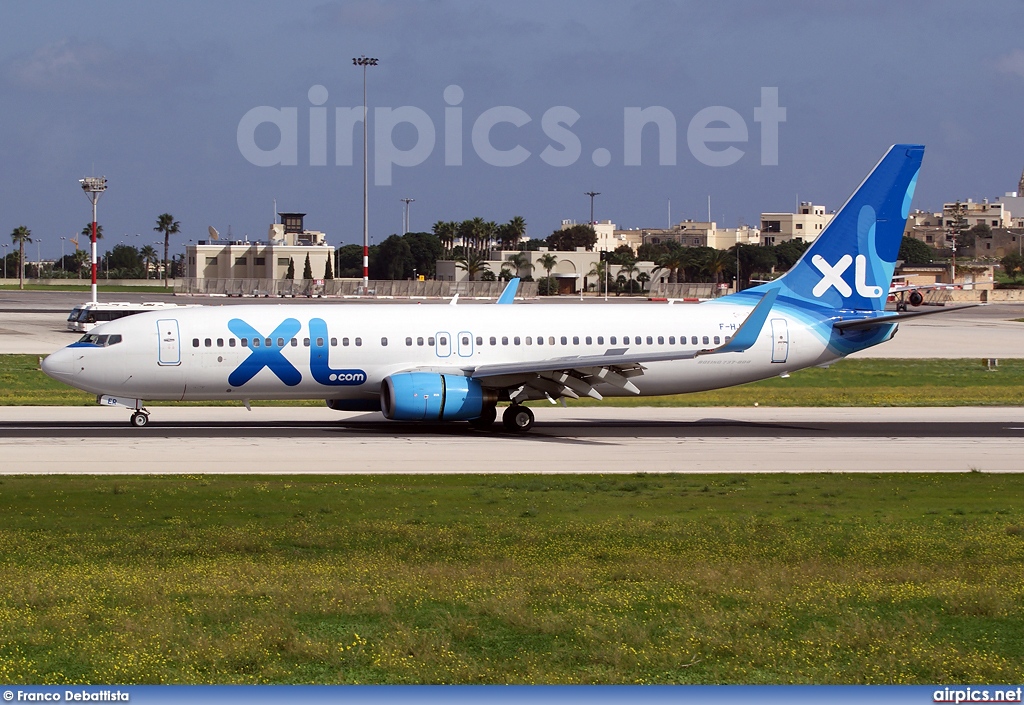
{"type": "Point", "coordinates": [139, 419]}
{"type": "Point", "coordinates": [486, 419]}
{"type": "Point", "coordinates": [517, 419]}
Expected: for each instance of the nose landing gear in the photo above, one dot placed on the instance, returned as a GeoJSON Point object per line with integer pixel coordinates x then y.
{"type": "Point", "coordinates": [140, 418]}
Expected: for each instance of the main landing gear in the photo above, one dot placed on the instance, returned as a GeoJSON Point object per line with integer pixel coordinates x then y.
{"type": "Point", "coordinates": [140, 418]}
{"type": "Point", "coordinates": [517, 419]}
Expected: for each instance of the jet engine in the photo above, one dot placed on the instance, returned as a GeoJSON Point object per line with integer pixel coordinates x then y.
{"type": "Point", "coordinates": [915, 298]}
{"type": "Point", "coordinates": [430, 396]}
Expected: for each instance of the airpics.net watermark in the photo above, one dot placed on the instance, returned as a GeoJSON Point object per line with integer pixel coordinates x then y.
{"type": "Point", "coordinates": [712, 134]}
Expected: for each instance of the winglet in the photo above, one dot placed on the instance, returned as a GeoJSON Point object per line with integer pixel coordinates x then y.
{"type": "Point", "coordinates": [750, 329]}
{"type": "Point", "coordinates": [509, 295]}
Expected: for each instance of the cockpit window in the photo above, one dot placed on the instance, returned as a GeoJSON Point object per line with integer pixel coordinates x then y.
{"type": "Point", "coordinates": [100, 341]}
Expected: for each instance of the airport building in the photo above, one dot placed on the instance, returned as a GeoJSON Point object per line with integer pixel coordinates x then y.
{"type": "Point", "coordinates": [806, 224]}
{"type": "Point", "coordinates": [287, 242]}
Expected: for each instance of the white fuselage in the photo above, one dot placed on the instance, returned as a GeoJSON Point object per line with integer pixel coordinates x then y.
{"type": "Point", "coordinates": [209, 353]}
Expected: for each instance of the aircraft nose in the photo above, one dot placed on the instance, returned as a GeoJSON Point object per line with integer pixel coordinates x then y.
{"type": "Point", "coordinates": [59, 364]}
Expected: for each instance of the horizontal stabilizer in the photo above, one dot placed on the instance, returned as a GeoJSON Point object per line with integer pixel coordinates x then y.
{"type": "Point", "coordinates": [865, 323]}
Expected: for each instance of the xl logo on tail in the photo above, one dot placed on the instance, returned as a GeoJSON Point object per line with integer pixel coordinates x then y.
{"type": "Point", "coordinates": [832, 276]}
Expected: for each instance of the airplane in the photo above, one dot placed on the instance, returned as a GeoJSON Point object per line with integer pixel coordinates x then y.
{"type": "Point", "coordinates": [436, 363]}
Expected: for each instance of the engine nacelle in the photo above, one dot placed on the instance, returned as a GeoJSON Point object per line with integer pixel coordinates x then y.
{"type": "Point", "coordinates": [915, 298]}
{"type": "Point", "coordinates": [429, 396]}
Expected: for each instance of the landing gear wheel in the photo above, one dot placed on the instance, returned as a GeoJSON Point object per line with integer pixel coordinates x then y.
{"type": "Point", "coordinates": [517, 418]}
{"type": "Point", "coordinates": [486, 419]}
{"type": "Point", "coordinates": [140, 419]}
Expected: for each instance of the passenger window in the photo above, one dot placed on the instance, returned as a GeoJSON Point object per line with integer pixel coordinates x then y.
{"type": "Point", "coordinates": [430, 341]}
{"type": "Point", "coordinates": [195, 342]}
{"type": "Point", "coordinates": [575, 340]}
{"type": "Point", "coordinates": [295, 342]}
{"type": "Point", "coordinates": [334, 342]}
{"type": "Point", "coordinates": [384, 342]}
{"type": "Point", "coordinates": [637, 340]}
{"type": "Point", "coordinates": [245, 342]}
{"type": "Point", "coordinates": [612, 340]}
{"type": "Point", "coordinates": [255, 342]}
{"type": "Point", "coordinates": [220, 342]}
{"type": "Point", "coordinates": [444, 340]}
{"type": "Point", "coordinates": [408, 341]}
{"type": "Point", "coordinates": [480, 341]}
{"type": "Point", "coordinates": [359, 341]}
{"type": "Point", "coordinates": [504, 340]}
{"type": "Point", "coordinates": [269, 342]}
{"type": "Point", "coordinates": [529, 340]}
{"type": "Point", "coordinates": [650, 340]}
{"type": "Point", "coordinates": [589, 340]}
{"type": "Point", "coordinates": [419, 341]}
{"type": "Point", "coordinates": [661, 340]}
{"type": "Point", "coordinates": [344, 341]}
{"type": "Point", "coordinates": [515, 340]}
{"type": "Point", "coordinates": [305, 342]}
{"type": "Point", "coordinates": [671, 340]}
{"type": "Point", "coordinates": [706, 341]}
{"type": "Point", "coordinates": [494, 341]}
{"type": "Point", "coordinates": [465, 340]}
{"type": "Point", "coordinates": [319, 342]}
{"type": "Point", "coordinates": [208, 343]}
{"type": "Point", "coordinates": [728, 338]}
{"type": "Point", "coordinates": [693, 340]}
{"type": "Point", "coordinates": [600, 340]}
{"type": "Point", "coordinates": [540, 340]}
{"type": "Point", "coordinates": [280, 342]}
{"type": "Point", "coordinates": [717, 340]}
{"type": "Point", "coordinates": [565, 341]}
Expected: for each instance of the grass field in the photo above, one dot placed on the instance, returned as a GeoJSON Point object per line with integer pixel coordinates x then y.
{"type": "Point", "coordinates": [847, 383]}
{"type": "Point", "coordinates": [492, 579]}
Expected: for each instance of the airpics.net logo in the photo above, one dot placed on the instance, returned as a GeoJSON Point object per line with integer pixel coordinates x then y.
{"type": "Point", "coordinates": [716, 136]}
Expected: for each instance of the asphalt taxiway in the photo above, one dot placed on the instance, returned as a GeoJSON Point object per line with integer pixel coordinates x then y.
{"type": "Point", "coordinates": [279, 440]}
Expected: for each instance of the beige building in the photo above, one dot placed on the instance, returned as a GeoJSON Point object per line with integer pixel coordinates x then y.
{"type": "Point", "coordinates": [692, 233]}
{"type": "Point", "coordinates": [994, 215]}
{"type": "Point", "coordinates": [287, 242]}
{"type": "Point", "coordinates": [806, 224]}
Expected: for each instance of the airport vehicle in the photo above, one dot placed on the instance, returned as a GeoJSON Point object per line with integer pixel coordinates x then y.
{"type": "Point", "coordinates": [84, 318]}
{"type": "Point", "coordinates": [457, 362]}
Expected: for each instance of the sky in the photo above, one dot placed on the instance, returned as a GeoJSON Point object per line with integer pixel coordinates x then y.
{"type": "Point", "coordinates": [211, 111]}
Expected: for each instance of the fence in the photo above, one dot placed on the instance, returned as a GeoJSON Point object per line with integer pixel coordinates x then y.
{"type": "Point", "coordinates": [346, 287]}
{"type": "Point", "coordinates": [684, 290]}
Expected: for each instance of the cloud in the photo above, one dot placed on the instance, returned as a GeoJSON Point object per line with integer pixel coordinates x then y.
{"type": "Point", "coordinates": [71, 65]}
{"type": "Point", "coordinates": [1012, 63]}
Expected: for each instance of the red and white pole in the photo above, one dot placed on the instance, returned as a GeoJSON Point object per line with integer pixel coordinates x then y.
{"type": "Point", "coordinates": [93, 248]}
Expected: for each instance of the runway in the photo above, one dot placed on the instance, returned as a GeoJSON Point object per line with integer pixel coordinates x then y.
{"type": "Point", "coordinates": [591, 440]}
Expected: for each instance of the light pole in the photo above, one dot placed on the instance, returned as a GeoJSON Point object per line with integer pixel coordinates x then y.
{"type": "Point", "coordinates": [62, 253]}
{"type": "Point", "coordinates": [39, 261]}
{"type": "Point", "coordinates": [364, 62]}
{"type": "Point", "coordinates": [93, 187]}
{"type": "Point", "coordinates": [5, 246]}
{"type": "Point", "coordinates": [591, 194]}
{"type": "Point", "coordinates": [405, 216]}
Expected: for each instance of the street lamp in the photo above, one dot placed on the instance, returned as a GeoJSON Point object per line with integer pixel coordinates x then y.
{"type": "Point", "coordinates": [591, 194]}
{"type": "Point", "coordinates": [405, 217]}
{"type": "Point", "coordinates": [5, 246]}
{"type": "Point", "coordinates": [93, 186]}
{"type": "Point", "coordinates": [39, 261]}
{"type": "Point", "coordinates": [62, 253]}
{"type": "Point", "coordinates": [364, 62]}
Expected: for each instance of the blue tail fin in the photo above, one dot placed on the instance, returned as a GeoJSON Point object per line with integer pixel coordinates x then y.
{"type": "Point", "coordinates": [850, 264]}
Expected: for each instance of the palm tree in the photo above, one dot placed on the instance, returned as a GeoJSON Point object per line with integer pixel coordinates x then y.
{"type": "Point", "coordinates": [87, 231]}
{"type": "Point", "coordinates": [547, 261]}
{"type": "Point", "coordinates": [598, 272]}
{"type": "Point", "coordinates": [149, 257]}
{"type": "Point", "coordinates": [514, 231]}
{"type": "Point", "coordinates": [519, 260]}
{"type": "Point", "coordinates": [629, 270]}
{"type": "Point", "coordinates": [167, 225]}
{"type": "Point", "coordinates": [672, 261]}
{"type": "Point", "coordinates": [473, 263]}
{"type": "Point", "coordinates": [717, 262]}
{"type": "Point", "coordinates": [20, 236]}
{"type": "Point", "coordinates": [446, 231]}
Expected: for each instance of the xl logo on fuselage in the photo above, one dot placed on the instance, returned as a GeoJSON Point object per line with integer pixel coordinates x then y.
{"type": "Point", "coordinates": [832, 276]}
{"type": "Point", "coordinates": [267, 351]}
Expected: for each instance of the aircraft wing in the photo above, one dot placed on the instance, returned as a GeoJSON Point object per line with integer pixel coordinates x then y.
{"type": "Point", "coordinates": [577, 374]}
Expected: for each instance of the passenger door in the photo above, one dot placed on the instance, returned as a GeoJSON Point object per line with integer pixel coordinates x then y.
{"type": "Point", "coordinates": [780, 340]}
{"type": "Point", "coordinates": [170, 343]}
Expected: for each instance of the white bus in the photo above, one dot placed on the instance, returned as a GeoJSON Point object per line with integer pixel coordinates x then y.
{"type": "Point", "coordinates": [83, 318]}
